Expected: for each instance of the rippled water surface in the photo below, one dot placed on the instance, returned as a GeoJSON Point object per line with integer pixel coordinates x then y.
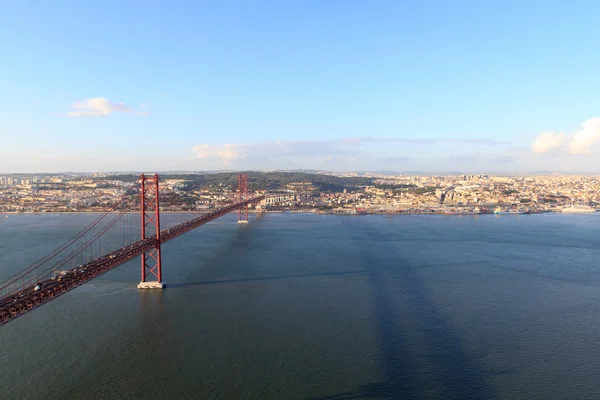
{"type": "Point", "coordinates": [321, 307]}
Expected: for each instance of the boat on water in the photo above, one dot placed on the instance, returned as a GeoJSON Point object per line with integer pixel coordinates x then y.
{"type": "Point", "coordinates": [578, 209]}
{"type": "Point", "coordinates": [462, 212]}
{"type": "Point", "coordinates": [500, 211]}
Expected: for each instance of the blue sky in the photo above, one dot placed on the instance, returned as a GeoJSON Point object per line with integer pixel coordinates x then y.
{"type": "Point", "coordinates": [340, 85]}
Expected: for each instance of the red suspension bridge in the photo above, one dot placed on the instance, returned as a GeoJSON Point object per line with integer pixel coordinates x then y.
{"type": "Point", "coordinates": [111, 239]}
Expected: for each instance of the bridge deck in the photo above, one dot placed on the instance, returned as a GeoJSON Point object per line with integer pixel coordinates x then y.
{"type": "Point", "coordinates": [17, 304]}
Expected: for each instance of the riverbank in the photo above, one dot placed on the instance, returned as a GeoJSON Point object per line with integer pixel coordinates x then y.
{"type": "Point", "coordinates": [319, 212]}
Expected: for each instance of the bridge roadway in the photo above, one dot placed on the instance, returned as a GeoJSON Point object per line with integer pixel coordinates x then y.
{"type": "Point", "coordinates": [17, 304]}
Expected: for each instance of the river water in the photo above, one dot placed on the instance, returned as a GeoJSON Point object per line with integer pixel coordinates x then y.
{"type": "Point", "coordinates": [321, 307]}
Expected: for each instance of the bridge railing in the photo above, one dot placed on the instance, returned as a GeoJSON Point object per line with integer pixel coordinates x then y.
{"type": "Point", "coordinates": [79, 250]}
{"type": "Point", "coordinates": [187, 226]}
{"type": "Point", "coordinates": [82, 247]}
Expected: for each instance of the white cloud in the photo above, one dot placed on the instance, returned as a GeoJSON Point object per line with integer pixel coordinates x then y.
{"type": "Point", "coordinates": [225, 153]}
{"type": "Point", "coordinates": [145, 105]}
{"type": "Point", "coordinates": [584, 140]}
{"type": "Point", "coordinates": [98, 107]}
{"type": "Point", "coordinates": [310, 152]}
{"type": "Point", "coordinates": [487, 142]}
{"type": "Point", "coordinates": [327, 154]}
{"type": "Point", "coordinates": [274, 151]}
{"type": "Point", "coordinates": [581, 142]}
{"type": "Point", "coordinates": [548, 141]}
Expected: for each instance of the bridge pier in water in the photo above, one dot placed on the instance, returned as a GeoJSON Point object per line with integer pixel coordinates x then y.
{"type": "Point", "coordinates": [150, 208]}
{"type": "Point", "coordinates": [20, 293]}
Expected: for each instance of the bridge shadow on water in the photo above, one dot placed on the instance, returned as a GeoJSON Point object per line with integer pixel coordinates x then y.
{"type": "Point", "coordinates": [421, 357]}
{"type": "Point", "coordinates": [264, 278]}
{"type": "Point", "coordinates": [228, 253]}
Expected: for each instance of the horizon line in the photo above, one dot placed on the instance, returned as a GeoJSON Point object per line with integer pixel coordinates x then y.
{"type": "Point", "coordinates": [311, 171]}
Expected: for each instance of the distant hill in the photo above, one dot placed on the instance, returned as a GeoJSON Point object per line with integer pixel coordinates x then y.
{"type": "Point", "coordinates": [258, 180]}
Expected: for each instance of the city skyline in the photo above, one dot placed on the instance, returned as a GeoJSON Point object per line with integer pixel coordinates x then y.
{"type": "Point", "coordinates": [343, 87]}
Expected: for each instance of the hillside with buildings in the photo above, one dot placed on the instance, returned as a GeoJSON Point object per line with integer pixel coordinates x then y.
{"type": "Point", "coordinates": [344, 193]}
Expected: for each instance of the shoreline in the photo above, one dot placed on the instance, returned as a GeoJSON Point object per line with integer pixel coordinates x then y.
{"type": "Point", "coordinates": [7, 213]}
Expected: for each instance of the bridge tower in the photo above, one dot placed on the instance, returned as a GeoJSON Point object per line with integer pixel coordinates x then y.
{"type": "Point", "coordinates": [242, 195]}
{"type": "Point", "coordinates": [150, 208]}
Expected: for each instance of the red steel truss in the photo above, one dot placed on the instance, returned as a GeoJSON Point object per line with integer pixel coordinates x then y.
{"type": "Point", "coordinates": [15, 305]}
{"type": "Point", "coordinates": [26, 298]}
{"type": "Point", "coordinates": [150, 207]}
